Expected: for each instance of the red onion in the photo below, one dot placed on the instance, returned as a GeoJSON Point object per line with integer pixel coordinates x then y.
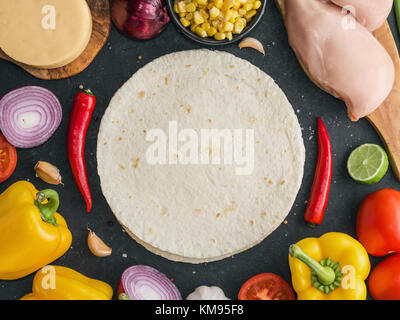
{"type": "Point", "coordinates": [140, 19]}
{"type": "Point", "coordinates": [146, 283]}
{"type": "Point", "coordinates": [29, 116]}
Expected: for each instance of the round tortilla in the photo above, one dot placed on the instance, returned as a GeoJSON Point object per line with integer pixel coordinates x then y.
{"type": "Point", "coordinates": [200, 212]}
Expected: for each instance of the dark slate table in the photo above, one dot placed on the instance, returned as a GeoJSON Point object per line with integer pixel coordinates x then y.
{"type": "Point", "coordinates": [115, 64]}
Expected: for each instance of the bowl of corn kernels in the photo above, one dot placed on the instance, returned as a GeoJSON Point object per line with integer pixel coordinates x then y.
{"type": "Point", "coordinates": [216, 22]}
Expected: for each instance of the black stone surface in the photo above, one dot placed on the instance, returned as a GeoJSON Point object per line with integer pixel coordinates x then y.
{"type": "Point", "coordinates": [115, 64]}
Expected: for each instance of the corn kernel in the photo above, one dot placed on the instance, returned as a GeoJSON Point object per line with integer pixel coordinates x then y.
{"type": "Point", "coordinates": [181, 14]}
{"type": "Point", "coordinates": [228, 4]}
{"type": "Point", "coordinates": [193, 27]}
{"type": "Point", "coordinates": [257, 4]}
{"type": "Point", "coordinates": [185, 22]}
{"type": "Point", "coordinates": [228, 15]}
{"type": "Point", "coordinates": [189, 16]}
{"type": "Point", "coordinates": [242, 1]}
{"type": "Point", "coordinates": [181, 6]}
{"type": "Point", "coordinates": [240, 24]}
{"type": "Point", "coordinates": [248, 6]}
{"type": "Point", "coordinates": [204, 13]}
{"type": "Point", "coordinates": [228, 35]}
{"type": "Point", "coordinates": [198, 18]}
{"type": "Point", "coordinates": [218, 3]}
{"type": "Point", "coordinates": [234, 17]}
{"type": "Point", "coordinates": [210, 5]}
{"type": "Point", "coordinates": [201, 32]}
{"type": "Point", "coordinates": [205, 26]}
{"type": "Point", "coordinates": [242, 12]}
{"type": "Point", "coordinates": [211, 31]}
{"type": "Point", "coordinates": [214, 12]}
{"type": "Point", "coordinates": [227, 26]}
{"type": "Point", "coordinates": [215, 23]}
{"type": "Point", "coordinates": [190, 7]}
{"type": "Point", "coordinates": [219, 36]}
{"type": "Point", "coordinates": [236, 5]}
{"type": "Point", "coordinates": [202, 2]}
{"type": "Point", "coordinates": [221, 18]}
{"type": "Point", "coordinates": [250, 14]}
{"type": "Point", "coordinates": [176, 8]}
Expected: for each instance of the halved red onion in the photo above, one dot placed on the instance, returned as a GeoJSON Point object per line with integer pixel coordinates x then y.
{"type": "Point", "coordinates": [140, 19]}
{"type": "Point", "coordinates": [146, 283]}
{"type": "Point", "coordinates": [29, 116]}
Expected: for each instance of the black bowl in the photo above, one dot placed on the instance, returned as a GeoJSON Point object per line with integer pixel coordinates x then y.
{"type": "Point", "coordinates": [210, 41]}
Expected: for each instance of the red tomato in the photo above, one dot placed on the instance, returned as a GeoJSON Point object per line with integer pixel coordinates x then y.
{"type": "Point", "coordinates": [8, 159]}
{"type": "Point", "coordinates": [384, 281]}
{"type": "Point", "coordinates": [378, 222]}
{"type": "Point", "coordinates": [266, 286]}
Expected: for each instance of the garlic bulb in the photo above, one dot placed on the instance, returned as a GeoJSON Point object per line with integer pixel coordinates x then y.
{"type": "Point", "coordinates": [207, 293]}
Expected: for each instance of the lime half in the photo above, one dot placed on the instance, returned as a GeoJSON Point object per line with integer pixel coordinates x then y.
{"type": "Point", "coordinates": [368, 163]}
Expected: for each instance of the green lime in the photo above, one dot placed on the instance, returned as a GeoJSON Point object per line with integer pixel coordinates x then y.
{"type": "Point", "coordinates": [368, 163]}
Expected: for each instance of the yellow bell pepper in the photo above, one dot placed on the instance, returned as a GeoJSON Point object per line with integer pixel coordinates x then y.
{"type": "Point", "coordinates": [61, 283]}
{"type": "Point", "coordinates": [32, 234]}
{"type": "Point", "coordinates": [332, 267]}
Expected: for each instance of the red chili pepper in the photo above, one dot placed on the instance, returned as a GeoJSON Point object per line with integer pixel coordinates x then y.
{"type": "Point", "coordinates": [81, 113]}
{"type": "Point", "coordinates": [322, 179]}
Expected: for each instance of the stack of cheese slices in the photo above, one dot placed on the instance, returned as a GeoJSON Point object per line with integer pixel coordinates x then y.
{"type": "Point", "coordinates": [44, 33]}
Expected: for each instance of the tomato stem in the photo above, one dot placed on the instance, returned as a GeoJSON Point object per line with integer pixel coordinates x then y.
{"type": "Point", "coordinates": [88, 92]}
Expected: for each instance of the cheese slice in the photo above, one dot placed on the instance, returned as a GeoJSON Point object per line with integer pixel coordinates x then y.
{"type": "Point", "coordinates": [44, 33]}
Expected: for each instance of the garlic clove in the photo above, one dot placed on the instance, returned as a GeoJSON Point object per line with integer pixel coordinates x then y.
{"type": "Point", "coordinates": [252, 43]}
{"type": "Point", "coordinates": [48, 173]}
{"type": "Point", "coordinates": [97, 246]}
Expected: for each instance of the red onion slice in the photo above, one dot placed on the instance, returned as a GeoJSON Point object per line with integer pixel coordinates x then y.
{"type": "Point", "coordinates": [29, 116]}
{"type": "Point", "coordinates": [146, 283]}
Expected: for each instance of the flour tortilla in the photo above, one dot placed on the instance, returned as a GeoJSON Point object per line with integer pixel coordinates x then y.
{"type": "Point", "coordinates": [199, 213]}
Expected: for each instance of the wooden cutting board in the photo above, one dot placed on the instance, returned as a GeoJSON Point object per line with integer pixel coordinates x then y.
{"type": "Point", "coordinates": [386, 119]}
{"type": "Point", "coordinates": [101, 29]}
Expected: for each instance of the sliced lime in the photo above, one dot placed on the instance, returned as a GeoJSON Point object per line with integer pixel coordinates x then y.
{"type": "Point", "coordinates": [368, 163]}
